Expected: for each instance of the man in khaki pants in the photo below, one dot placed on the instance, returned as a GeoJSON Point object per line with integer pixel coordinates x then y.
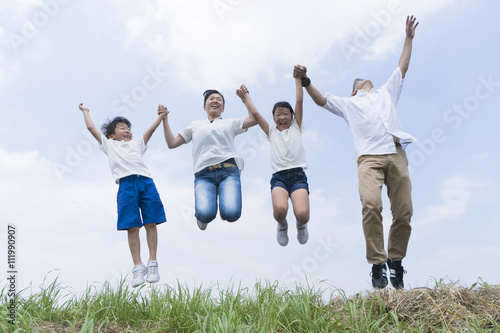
{"type": "Point", "coordinates": [379, 140]}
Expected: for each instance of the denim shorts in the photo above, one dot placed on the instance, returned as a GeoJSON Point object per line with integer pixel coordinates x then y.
{"type": "Point", "coordinates": [291, 180]}
{"type": "Point", "coordinates": [137, 196]}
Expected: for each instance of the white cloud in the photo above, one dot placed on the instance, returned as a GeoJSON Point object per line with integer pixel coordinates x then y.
{"type": "Point", "coordinates": [457, 193]}
{"type": "Point", "coordinates": [218, 43]}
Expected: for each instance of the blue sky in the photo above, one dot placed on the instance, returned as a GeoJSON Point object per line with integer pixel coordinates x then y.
{"type": "Point", "coordinates": [126, 57]}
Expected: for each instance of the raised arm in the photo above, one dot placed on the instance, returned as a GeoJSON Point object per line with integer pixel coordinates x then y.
{"type": "Point", "coordinates": [149, 132]}
{"type": "Point", "coordinates": [299, 99]}
{"type": "Point", "coordinates": [254, 117]}
{"type": "Point", "coordinates": [172, 142]}
{"type": "Point", "coordinates": [301, 72]}
{"type": "Point", "coordinates": [90, 124]}
{"type": "Point", "coordinates": [404, 61]}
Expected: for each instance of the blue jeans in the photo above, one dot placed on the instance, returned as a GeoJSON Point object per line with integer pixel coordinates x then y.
{"type": "Point", "coordinates": [224, 182]}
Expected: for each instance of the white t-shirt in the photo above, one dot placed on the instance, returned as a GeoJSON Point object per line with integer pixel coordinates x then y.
{"type": "Point", "coordinates": [287, 151]}
{"type": "Point", "coordinates": [372, 117]}
{"type": "Point", "coordinates": [213, 142]}
{"type": "Point", "coordinates": [125, 158]}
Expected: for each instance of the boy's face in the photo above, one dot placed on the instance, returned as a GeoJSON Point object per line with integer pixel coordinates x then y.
{"type": "Point", "coordinates": [283, 118]}
{"type": "Point", "coordinates": [122, 133]}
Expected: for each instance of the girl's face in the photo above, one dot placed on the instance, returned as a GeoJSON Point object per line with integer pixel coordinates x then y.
{"type": "Point", "coordinates": [214, 105]}
{"type": "Point", "coordinates": [122, 133]}
{"type": "Point", "coordinates": [283, 118]}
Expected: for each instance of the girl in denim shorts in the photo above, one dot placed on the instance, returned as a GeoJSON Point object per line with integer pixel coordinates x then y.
{"type": "Point", "coordinates": [288, 160]}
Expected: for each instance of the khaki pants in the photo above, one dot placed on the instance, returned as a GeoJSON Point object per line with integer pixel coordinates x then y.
{"type": "Point", "coordinates": [373, 172]}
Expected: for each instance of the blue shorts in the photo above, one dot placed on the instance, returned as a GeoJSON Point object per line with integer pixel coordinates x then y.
{"type": "Point", "coordinates": [137, 195]}
{"type": "Point", "coordinates": [291, 180]}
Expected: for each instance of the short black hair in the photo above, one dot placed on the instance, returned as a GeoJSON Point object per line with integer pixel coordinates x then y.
{"type": "Point", "coordinates": [109, 126]}
{"type": "Point", "coordinates": [283, 104]}
{"type": "Point", "coordinates": [209, 92]}
{"type": "Point", "coordinates": [356, 82]}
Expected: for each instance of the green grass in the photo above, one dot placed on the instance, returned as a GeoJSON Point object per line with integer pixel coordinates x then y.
{"type": "Point", "coordinates": [264, 308]}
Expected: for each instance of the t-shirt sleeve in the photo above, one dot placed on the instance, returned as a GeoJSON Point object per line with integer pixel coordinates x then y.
{"type": "Point", "coordinates": [334, 104]}
{"type": "Point", "coordinates": [187, 133]}
{"type": "Point", "coordinates": [142, 145]}
{"type": "Point", "coordinates": [104, 144]}
{"type": "Point", "coordinates": [272, 129]}
{"type": "Point", "coordinates": [237, 126]}
{"type": "Point", "coordinates": [394, 85]}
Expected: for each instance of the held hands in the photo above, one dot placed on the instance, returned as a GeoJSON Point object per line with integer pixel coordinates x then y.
{"type": "Point", "coordinates": [299, 71]}
{"type": "Point", "coordinates": [242, 92]}
{"type": "Point", "coordinates": [163, 111]}
{"type": "Point", "coordinates": [411, 26]}
{"type": "Point", "coordinates": [82, 108]}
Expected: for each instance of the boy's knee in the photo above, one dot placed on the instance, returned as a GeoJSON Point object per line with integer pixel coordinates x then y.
{"type": "Point", "coordinates": [134, 230]}
{"type": "Point", "coordinates": [150, 226]}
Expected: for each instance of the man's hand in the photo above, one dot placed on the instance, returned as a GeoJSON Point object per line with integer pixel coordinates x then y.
{"type": "Point", "coordinates": [404, 61]}
{"type": "Point", "coordinates": [411, 26]}
{"type": "Point", "coordinates": [299, 71]}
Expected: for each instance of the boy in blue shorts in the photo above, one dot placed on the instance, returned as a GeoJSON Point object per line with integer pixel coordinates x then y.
{"type": "Point", "coordinates": [137, 194]}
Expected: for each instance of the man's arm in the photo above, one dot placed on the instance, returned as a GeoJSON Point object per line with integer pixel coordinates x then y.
{"type": "Point", "coordinates": [172, 142]}
{"type": "Point", "coordinates": [404, 61]}
{"type": "Point", "coordinates": [301, 72]}
{"type": "Point", "coordinates": [252, 110]}
{"type": "Point", "coordinates": [90, 124]}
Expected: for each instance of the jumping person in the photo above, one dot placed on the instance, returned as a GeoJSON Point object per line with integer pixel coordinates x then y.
{"type": "Point", "coordinates": [216, 164]}
{"type": "Point", "coordinates": [137, 193]}
{"type": "Point", "coordinates": [379, 140]}
{"type": "Point", "coordinates": [288, 160]}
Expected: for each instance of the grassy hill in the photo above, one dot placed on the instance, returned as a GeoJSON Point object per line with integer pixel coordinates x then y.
{"type": "Point", "coordinates": [445, 307]}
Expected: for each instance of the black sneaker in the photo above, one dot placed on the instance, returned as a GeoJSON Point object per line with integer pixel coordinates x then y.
{"type": "Point", "coordinates": [397, 271]}
{"type": "Point", "coordinates": [379, 276]}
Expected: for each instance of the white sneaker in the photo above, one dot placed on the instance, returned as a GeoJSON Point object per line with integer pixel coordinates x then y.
{"type": "Point", "coordinates": [302, 233]}
{"type": "Point", "coordinates": [282, 235]}
{"type": "Point", "coordinates": [202, 225]}
{"type": "Point", "coordinates": [153, 274]}
{"type": "Point", "coordinates": [138, 275]}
